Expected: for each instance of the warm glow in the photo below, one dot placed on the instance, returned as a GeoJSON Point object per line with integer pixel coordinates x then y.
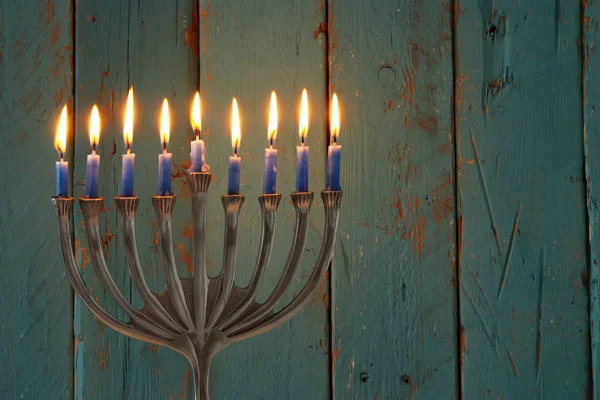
{"type": "Point", "coordinates": [335, 119]}
{"type": "Point", "coordinates": [165, 124]}
{"type": "Point", "coordinates": [128, 128]}
{"type": "Point", "coordinates": [196, 119]}
{"type": "Point", "coordinates": [94, 127]}
{"type": "Point", "coordinates": [272, 132]}
{"type": "Point", "coordinates": [60, 141]}
{"type": "Point", "coordinates": [235, 126]}
{"type": "Point", "coordinates": [304, 116]}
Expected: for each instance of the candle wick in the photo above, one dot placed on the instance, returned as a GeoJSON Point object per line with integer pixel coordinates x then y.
{"type": "Point", "coordinates": [128, 147]}
{"type": "Point", "coordinates": [61, 156]}
{"type": "Point", "coordinates": [197, 132]}
{"type": "Point", "coordinates": [164, 146]}
{"type": "Point", "coordinates": [271, 141]}
{"type": "Point", "coordinates": [94, 148]}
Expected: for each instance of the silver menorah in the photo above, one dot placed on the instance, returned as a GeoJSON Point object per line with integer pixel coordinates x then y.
{"type": "Point", "coordinates": [198, 316]}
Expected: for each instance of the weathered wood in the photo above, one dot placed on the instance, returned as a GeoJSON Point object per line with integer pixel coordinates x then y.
{"type": "Point", "coordinates": [36, 312]}
{"type": "Point", "coordinates": [522, 227]}
{"type": "Point", "coordinates": [247, 50]}
{"type": "Point", "coordinates": [152, 46]}
{"type": "Point", "coordinates": [591, 85]}
{"type": "Point", "coordinates": [395, 314]}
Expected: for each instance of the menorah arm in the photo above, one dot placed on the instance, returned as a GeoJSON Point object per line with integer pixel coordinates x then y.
{"type": "Point", "coordinates": [232, 205]}
{"type": "Point", "coordinates": [302, 202]}
{"type": "Point", "coordinates": [163, 205]}
{"type": "Point", "coordinates": [268, 205]}
{"type": "Point", "coordinates": [331, 201]}
{"type": "Point", "coordinates": [199, 183]}
{"type": "Point", "coordinates": [127, 206]}
{"type": "Point", "coordinates": [91, 209]}
{"type": "Point", "coordinates": [62, 208]}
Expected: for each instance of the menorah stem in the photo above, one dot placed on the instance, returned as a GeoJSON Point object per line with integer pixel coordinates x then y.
{"type": "Point", "coordinates": [127, 207]}
{"type": "Point", "coordinates": [163, 206]}
{"type": "Point", "coordinates": [199, 183]}
{"type": "Point", "coordinates": [232, 205]}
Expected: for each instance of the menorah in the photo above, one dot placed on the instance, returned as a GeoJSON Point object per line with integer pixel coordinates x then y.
{"type": "Point", "coordinates": [198, 316]}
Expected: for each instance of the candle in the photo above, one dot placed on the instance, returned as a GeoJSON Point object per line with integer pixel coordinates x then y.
{"type": "Point", "coordinates": [62, 167]}
{"type": "Point", "coordinates": [233, 186]}
{"type": "Point", "coordinates": [270, 174]}
{"type": "Point", "coordinates": [128, 169]}
{"type": "Point", "coordinates": [302, 150]}
{"type": "Point", "coordinates": [92, 171]}
{"type": "Point", "coordinates": [164, 159]}
{"type": "Point", "coordinates": [334, 150]}
{"type": "Point", "coordinates": [198, 153]}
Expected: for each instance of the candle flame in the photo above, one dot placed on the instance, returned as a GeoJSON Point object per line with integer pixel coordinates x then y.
{"type": "Point", "coordinates": [165, 124]}
{"type": "Point", "coordinates": [94, 127]}
{"type": "Point", "coordinates": [335, 119]}
{"type": "Point", "coordinates": [196, 119]}
{"type": "Point", "coordinates": [235, 126]}
{"type": "Point", "coordinates": [303, 116]}
{"type": "Point", "coordinates": [272, 132]}
{"type": "Point", "coordinates": [60, 141]}
{"type": "Point", "coordinates": [128, 126]}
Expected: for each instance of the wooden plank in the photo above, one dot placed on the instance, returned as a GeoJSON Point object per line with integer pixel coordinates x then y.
{"type": "Point", "coordinates": [247, 50]}
{"type": "Point", "coordinates": [591, 85]}
{"type": "Point", "coordinates": [151, 46]}
{"type": "Point", "coordinates": [36, 339]}
{"type": "Point", "coordinates": [523, 272]}
{"type": "Point", "coordinates": [395, 313]}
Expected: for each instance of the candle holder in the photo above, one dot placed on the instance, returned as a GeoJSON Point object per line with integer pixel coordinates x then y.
{"type": "Point", "coordinates": [198, 316]}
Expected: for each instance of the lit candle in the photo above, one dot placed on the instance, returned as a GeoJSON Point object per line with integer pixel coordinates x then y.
{"type": "Point", "coordinates": [198, 153]}
{"type": "Point", "coordinates": [334, 150]}
{"type": "Point", "coordinates": [92, 171]}
{"type": "Point", "coordinates": [164, 159]}
{"type": "Point", "coordinates": [302, 150]}
{"type": "Point", "coordinates": [127, 172]}
{"type": "Point", "coordinates": [62, 167]}
{"type": "Point", "coordinates": [270, 174]}
{"type": "Point", "coordinates": [233, 186]}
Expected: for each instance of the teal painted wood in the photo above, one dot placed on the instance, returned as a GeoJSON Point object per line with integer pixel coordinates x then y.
{"type": "Point", "coordinates": [247, 50]}
{"type": "Point", "coordinates": [523, 269]}
{"type": "Point", "coordinates": [36, 312]}
{"type": "Point", "coordinates": [151, 46]}
{"type": "Point", "coordinates": [591, 77]}
{"type": "Point", "coordinates": [395, 311]}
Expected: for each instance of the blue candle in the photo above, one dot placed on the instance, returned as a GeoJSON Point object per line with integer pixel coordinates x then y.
{"type": "Point", "coordinates": [164, 174]}
{"type": "Point", "coordinates": [127, 174]}
{"type": "Point", "coordinates": [302, 150]}
{"type": "Point", "coordinates": [62, 167]}
{"type": "Point", "coordinates": [198, 153]}
{"type": "Point", "coordinates": [334, 150]}
{"type": "Point", "coordinates": [233, 183]}
{"type": "Point", "coordinates": [62, 178]}
{"type": "Point", "coordinates": [127, 171]}
{"type": "Point", "coordinates": [164, 159]}
{"type": "Point", "coordinates": [92, 171]}
{"type": "Point", "coordinates": [333, 167]}
{"type": "Point", "coordinates": [270, 174]}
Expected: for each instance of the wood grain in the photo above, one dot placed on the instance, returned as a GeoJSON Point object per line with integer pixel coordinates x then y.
{"type": "Point", "coordinates": [523, 268]}
{"type": "Point", "coordinates": [36, 312]}
{"type": "Point", "coordinates": [591, 77]}
{"type": "Point", "coordinates": [394, 303]}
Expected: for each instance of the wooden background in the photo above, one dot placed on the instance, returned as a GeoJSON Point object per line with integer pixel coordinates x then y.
{"type": "Point", "coordinates": [466, 263]}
